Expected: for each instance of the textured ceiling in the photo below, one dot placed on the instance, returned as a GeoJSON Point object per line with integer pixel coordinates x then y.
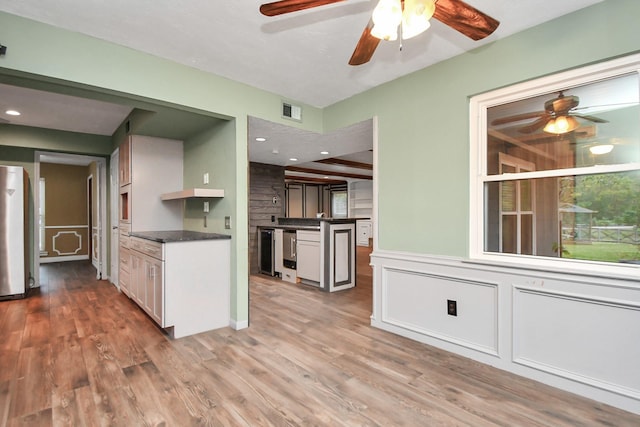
{"type": "Point", "coordinates": [302, 56]}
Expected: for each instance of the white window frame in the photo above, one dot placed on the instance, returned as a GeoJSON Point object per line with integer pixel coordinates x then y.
{"type": "Point", "coordinates": [478, 107]}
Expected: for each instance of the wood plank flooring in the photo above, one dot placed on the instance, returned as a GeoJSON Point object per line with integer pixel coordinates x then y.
{"type": "Point", "coordinates": [78, 353]}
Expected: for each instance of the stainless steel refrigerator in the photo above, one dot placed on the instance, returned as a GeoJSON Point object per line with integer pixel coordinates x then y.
{"type": "Point", "coordinates": [13, 232]}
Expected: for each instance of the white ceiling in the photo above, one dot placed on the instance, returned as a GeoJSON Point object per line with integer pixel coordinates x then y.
{"type": "Point", "coordinates": [62, 112]}
{"type": "Point", "coordinates": [301, 56]}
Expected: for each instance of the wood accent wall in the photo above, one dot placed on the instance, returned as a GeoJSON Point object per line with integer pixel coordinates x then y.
{"type": "Point", "coordinates": [265, 183]}
{"type": "Point", "coordinates": [66, 208]}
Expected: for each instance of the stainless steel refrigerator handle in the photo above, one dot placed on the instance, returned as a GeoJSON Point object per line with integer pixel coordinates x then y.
{"type": "Point", "coordinates": [293, 247]}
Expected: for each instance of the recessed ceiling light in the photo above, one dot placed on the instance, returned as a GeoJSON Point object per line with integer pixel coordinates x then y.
{"type": "Point", "coordinates": [324, 152]}
{"type": "Point", "coordinates": [293, 159]}
{"type": "Point", "coordinates": [261, 139]}
{"type": "Point", "coordinates": [13, 112]}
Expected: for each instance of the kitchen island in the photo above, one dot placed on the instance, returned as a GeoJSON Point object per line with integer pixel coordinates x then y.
{"type": "Point", "coordinates": [324, 252]}
{"type": "Point", "coordinates": [181, 279]}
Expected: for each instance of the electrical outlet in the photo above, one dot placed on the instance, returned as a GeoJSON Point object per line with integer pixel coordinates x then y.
{"type": "Point", "coordinates": [205, 178]}
{"type": "Point", "coordinates": [452, 307]}
{"type": "Point", "coordinates": [227, 222]}
{"type": "Point", "coordinates": [206, 207]}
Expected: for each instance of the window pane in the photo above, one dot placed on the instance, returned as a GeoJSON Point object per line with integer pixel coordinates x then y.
{"type": "Point", "coordinates": [508, 196]}
{"type": "Point", "coordinates": [509, 234]}
{"type": "Point", "coordinates": [526, 234]}
{"type": "Point", "coordinates": [588, 217]}
{"type": "Point", "coordinates": [339, 204]}
{"type": "Point", "coordinates": [601, 116]}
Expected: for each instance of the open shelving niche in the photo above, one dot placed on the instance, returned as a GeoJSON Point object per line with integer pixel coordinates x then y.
{"type": "Point", "coordinates": [191, 193]}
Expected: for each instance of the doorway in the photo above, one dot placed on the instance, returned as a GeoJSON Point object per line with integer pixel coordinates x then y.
{"type": "Point", "coordinates": [95, 229]}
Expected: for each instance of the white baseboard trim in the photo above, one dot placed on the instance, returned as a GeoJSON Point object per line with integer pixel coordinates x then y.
{"type": "Point", "coordinates": [45, 260]}
{"type": "Point", "coordinates": [237, 325]}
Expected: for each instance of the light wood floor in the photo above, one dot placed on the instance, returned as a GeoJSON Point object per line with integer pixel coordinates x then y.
{"type": "Point", "coordinates": [79, 353]}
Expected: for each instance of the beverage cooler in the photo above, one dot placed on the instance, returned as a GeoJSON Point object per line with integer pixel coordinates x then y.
{"type": "Point", "coordinates": [266, 250]}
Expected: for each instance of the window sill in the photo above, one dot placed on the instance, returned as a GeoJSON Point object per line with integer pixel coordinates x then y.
{"type": "Point", "coordinates": [627, 272]}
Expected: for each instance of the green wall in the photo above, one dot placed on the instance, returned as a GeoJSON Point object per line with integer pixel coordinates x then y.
{"type": "Point", "coordinates": [423, 119]}
{"type": "Point", "coordinates": [214, 152]}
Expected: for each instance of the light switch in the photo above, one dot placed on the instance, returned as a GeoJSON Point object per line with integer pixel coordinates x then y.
{"type": "Point", "coordinates": [205, 179]}
{"type": "Point", "coordinates": [227, 222]}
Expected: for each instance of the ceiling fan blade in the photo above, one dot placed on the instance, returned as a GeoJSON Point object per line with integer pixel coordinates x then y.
{"type": "Point", "coordinates": [591, 118]}
{"type": "Point", "coordinates": [537, 125]}
{"type": "Point", "coordinates": [365, 48]}
{"type": "Point", "coordinates": [287, 6]}
{"type": "Point", "coordinates": [465, 18]}
{"type": "Point", "coordinates": [517, 118]}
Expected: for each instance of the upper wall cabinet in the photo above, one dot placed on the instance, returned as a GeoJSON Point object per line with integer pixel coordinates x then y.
{"type": "Point", "coordinates": [152, 166]}
{"type": "Point", "coordinates": [125, 162]}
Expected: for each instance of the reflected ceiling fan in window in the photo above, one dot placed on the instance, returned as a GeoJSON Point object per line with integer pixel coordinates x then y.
{"type": "Point", "coordinates": [558, 117]}
{"type": "Point", "coordinates": [410, 16]}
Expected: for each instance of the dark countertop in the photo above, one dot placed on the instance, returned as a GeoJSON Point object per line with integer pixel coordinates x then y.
{"type": "Point", "coordinates": [313, 222]}
{"type": "Point", "coordinates": [298, 227]}
{"type": "Point", "coordinates": [289, 227]}
{"type": "Point", "coordinates": [178, 236]}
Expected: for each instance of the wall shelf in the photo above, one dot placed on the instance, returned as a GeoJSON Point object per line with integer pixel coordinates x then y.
{"type": "Point", "coordinates": [193, 193]}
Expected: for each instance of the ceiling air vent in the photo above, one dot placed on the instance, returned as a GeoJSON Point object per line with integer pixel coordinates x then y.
{"type": "Point", "coordinates": [293, 112]}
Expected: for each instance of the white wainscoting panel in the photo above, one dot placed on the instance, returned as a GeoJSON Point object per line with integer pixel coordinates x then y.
{"type": "Point", "coordinates": [577, 332]}
{"type": "Point", "coordinates": [418, 301]}
{"type": "Point", "coordinates": [578, 337]}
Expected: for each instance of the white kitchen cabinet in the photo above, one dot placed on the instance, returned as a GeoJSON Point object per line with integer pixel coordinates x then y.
{"type": "Point", "coordinates": [156, 168]}
{"type": "Point", "coordinates": [363, 232]}
{"type": "Point", "coordinates": [182, 284]}
{"type": "Point", "coordinates": [325, 257]}
{"type": "Point", "coordinates": [308, 255]}
{"type": "Point", "coordinates": [361, 199]}
{"type": "Point", "coordinates": [149, 167]}
{"type": "Point", "coordinates": [146, 283]}
{"type": "Point", "coordinates": [124, 273]}
{"type": "Point", "coordinates": [154, 288]}
{"type": "Point", "coordinates": [341, 257]}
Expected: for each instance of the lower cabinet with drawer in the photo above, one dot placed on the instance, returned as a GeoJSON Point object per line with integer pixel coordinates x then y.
{"type": "Point", "coordinates": [184, 286]}
{"type": "Point", "coordinates": [146, 282]}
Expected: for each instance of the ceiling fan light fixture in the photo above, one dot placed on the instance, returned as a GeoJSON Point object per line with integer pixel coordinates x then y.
{"type": "Point", "coordinates": [386, 18]}
{"type": "Point", "coordinates": [385, 33]}
{"type": "Point", "coordinates": [561, 124]}
{"type": "Point", "coordinates": [416, 16]}
{"type": "Point", "coordinates": [601, 149]}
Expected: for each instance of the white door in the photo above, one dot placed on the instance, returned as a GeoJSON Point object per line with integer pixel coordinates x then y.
{"type": "Point", "coordinates": [97, 193]}
{"type": "Point", "coordinates": [113, 215]}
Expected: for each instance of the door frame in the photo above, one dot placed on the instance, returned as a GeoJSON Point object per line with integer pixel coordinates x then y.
{"type": "Point", "coordinates": [101, 177]}
{"type": "Point", "coordinates": [114, 187]}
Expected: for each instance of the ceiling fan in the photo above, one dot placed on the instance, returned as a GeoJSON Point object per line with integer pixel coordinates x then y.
{"type": "Point", "coordinates": [558, 117]}
{"type": "Point", "coordinates": [412, 16]}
